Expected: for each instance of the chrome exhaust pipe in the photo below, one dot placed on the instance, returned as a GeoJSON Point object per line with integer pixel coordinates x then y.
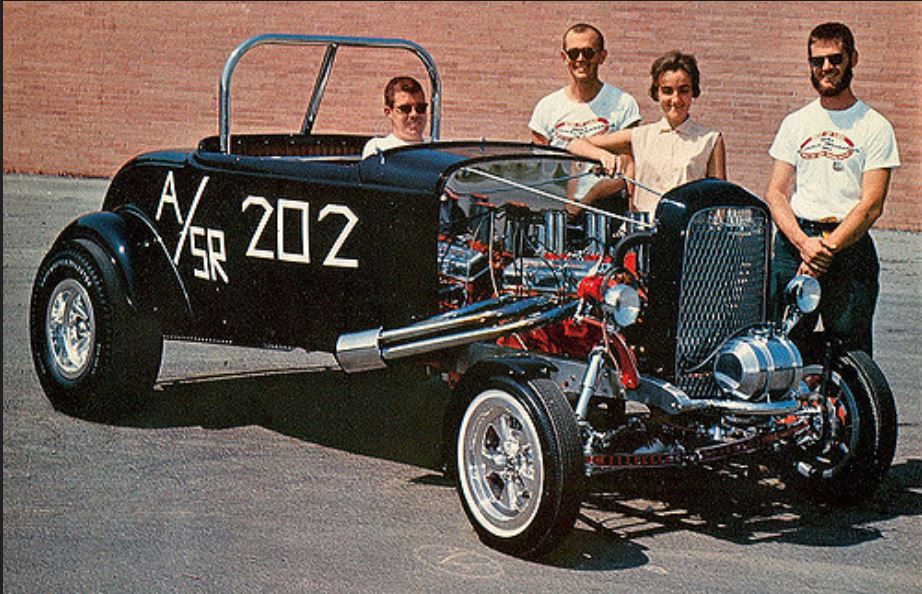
{"type": "Point", "coordinates": [372, 349]}
{"type": "Point", "coordinates": [443, 324]}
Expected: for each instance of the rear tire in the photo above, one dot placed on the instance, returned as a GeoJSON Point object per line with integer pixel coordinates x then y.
{"type": "Point", "coordinates": [93, 352]}
{"type": "Point", "coordinates": [520, 465]}
{"type": "Point", "coordinates": [856, 433]}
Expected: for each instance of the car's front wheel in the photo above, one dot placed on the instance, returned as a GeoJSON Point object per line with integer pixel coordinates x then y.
{"type": "Point", "coordinates": [520, 466]}
{"type": "Point", "coordinates": [852, 440]}
{"type": "Point", "coordinates": [93, 353]}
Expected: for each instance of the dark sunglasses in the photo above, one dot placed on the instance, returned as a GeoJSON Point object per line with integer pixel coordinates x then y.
{"type": "Point", "coordinates": [834, 59]}
{"type": "Point", "coordinates": [587, 52]}
{"type": "Point", "coordinates": [420, 108]}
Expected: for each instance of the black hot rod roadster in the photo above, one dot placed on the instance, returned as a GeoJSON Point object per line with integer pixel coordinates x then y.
{"type": "Point", "coordinates": [575, 345]}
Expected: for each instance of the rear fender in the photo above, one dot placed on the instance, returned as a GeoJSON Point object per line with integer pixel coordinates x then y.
{"type": "Point", "coordinates": [151, 281]}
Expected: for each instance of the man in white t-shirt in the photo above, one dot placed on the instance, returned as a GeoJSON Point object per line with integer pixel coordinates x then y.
{"type": "Point", "coordinates": [586, 106]}
{"type": "Point", "coordinates": [833, 160]}
{"type": "Point", "coordinates": [405, 106]}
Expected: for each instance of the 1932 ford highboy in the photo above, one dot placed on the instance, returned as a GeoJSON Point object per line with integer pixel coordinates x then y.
{"type": "Point", "coordinates": [574, 346]}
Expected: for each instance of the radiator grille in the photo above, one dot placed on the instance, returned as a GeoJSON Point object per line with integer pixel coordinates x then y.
{"type": "Point", "coordinates": [722, 287]}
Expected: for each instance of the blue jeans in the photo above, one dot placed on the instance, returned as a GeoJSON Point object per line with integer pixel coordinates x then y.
{"type": "Point", "coordinates": [849, 294]}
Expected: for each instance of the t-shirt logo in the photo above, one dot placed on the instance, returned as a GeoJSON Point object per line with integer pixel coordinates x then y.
{"type": "Point", "coordinates": [828, 144]}
{"type": "Point", "coordinates": [568, 131]}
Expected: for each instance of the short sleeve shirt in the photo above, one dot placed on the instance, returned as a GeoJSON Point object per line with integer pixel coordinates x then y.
{"type": "Point", "coordinates": [830, 151]}
{"type": "Point", "coordinates": [382, 144]}
{"type": "Point", "coordinates": [560, 119]}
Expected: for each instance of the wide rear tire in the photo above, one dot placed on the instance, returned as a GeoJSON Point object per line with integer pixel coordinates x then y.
{"type": "Point", "coordinates": [520, 465]}
{"type": "Point", "coordinates": [94, 354]}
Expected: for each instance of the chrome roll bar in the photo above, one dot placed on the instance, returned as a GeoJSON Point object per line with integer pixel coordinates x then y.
{"type": "Point", "coordinates": [332, 43]}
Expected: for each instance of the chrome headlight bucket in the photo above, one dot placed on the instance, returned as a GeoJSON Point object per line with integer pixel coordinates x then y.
{"type": "Point", "coordinates": [802, 295]}
{"type": "Point", "coordinates": [753, 366]}
{"type": "Point", "coordinates": [622, 304]}
{"type": "Point", "coordinates": [804, 292]}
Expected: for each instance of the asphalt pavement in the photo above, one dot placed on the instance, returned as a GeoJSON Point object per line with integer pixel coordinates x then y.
{"type": "Point", "coordinates": [266, 471]}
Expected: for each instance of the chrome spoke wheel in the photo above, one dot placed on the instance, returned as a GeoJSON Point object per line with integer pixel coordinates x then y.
{"type": "Point", "coordinates": [500, 463]}
{"type": "Point", "coordinates": [70, 328]}
{"type": "Point", "coordinates": [835, 428]}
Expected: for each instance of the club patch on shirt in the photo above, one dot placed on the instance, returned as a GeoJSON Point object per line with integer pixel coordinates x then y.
{"type": "Point", "coordinates": [570, 130]}
{"type": "Point", "coordinates": [829, 144]}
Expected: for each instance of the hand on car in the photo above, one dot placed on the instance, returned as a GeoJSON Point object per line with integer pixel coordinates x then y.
{"type": "Point", "coordinates": [609, 163]}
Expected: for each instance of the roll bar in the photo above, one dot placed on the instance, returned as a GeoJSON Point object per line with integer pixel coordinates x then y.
{"type": "Point", "coordinates": [332, 43]}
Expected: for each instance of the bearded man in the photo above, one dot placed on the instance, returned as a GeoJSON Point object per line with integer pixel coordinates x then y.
{"type": "Point", "coordinates": [832, 164]}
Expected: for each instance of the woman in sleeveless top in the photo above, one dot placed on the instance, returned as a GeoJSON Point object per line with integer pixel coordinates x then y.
{"type": "Point", "coordinates": [668, 153]}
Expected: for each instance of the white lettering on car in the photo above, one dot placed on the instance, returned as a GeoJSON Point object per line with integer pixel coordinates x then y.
{"type": "Point", "coordinates": [303, 209]}
{"type": "Point", "coordinates": [211, 256]}
{"type": "Point", "coordinates": [333, 258]}
{"type": "Point", "coordinates": [168, 196]}
{"type": "Point", "coordinates": [285, 247]}
{"type": "Point", "coordinates": [252, 250]}
{"type": "Point", "coordinates": [185, 228]}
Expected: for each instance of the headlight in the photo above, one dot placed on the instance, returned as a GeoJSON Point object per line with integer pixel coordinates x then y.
{"type": "Point", "coordinates": [804, 292]}
{"type": "Point", "coordinates": [622, 303]}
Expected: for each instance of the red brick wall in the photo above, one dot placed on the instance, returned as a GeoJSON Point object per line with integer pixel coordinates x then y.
{"type": "Point", "coordinates": [87, 85]}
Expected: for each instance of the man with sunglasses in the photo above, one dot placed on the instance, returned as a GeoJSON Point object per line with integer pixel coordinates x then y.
{"type": "Point", "coordinates": [585, 107]}
{"type": "Point", "coordinates": [405, 106]}
{"type": "Point", "coordinates": [832, 164]}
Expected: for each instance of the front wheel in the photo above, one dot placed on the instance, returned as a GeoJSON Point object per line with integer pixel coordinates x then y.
{"type": "Point", "coordinates": [520, 466]}
{"type": "Point", "coordinates": [94, 354]}
{"type": "Point", "coordinates": [851, 441]}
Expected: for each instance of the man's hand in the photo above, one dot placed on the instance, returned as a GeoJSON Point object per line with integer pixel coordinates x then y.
{"type": "Point", "coordinates": [609, 163]}
{"type": "Point", "coordinates": [816, 255]}
{"type": "Point", "coordinates": [572, 210]}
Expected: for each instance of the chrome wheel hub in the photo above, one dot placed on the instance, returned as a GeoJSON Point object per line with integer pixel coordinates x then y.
{"type": "Point", "coordinates": [500, 463]}
{"type": "Point", "coordinates": [70, 329]}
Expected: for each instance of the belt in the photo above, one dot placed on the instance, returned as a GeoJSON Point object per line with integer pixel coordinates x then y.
{"type": "Point", "coordinates": [816, 226]}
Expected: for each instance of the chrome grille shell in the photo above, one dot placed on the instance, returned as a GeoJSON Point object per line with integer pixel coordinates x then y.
{"type": "Point", "coordinates": [723, 287]}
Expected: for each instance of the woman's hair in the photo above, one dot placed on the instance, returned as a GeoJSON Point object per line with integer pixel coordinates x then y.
{"type": "Point", "coordinates": [675, 60]}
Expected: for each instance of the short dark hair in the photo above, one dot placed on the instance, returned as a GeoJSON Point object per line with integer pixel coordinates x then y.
{"type": "Point", "coordinates": [675, 60]}
{"type": "Point", "coordinates": [832, 32]}
{"type": "Point", "coordinates": [582, 28]}
{"type": "Point", "coordinates": [407, 84]}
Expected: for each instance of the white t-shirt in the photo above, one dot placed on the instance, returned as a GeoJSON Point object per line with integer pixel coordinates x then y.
{"type": "Point", "coordinates": [831, 150]}
{"type": "Point", "coordinates": [388, 142]}
{"type": "Point", "coordinates": [560, 119]}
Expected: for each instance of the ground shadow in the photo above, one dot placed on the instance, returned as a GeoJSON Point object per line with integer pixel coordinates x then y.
{"type": "Point", "coordinates": [397, 414]}
{"type": "Point", "coordinates": [394, 414]}
{"type": "Point", "coordinates": [747, 504]}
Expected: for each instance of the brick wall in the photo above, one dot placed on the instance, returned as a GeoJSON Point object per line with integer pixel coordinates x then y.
{"type": "Point", "coordinates": [87, 85]}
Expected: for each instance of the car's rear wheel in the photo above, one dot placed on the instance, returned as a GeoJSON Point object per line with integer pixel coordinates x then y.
{"type": "Point", "coordinates": [94, 354]}
{"type": "Point", "coordinates": [520, 466]}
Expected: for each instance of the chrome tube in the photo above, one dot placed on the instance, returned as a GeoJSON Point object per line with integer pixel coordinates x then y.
{"type": "Point", "coordinates": [672, 400]}
{"type": "Point", "coordinates": [439, 343]}
{"type": "Point", "coordinates": [332, 42]}
{"type": "Point", "coordinates": [587, 387]}
{"type": "Point", "coordinates": [430, 327]}
{"type": "Point", "coordinates": [365, 350]}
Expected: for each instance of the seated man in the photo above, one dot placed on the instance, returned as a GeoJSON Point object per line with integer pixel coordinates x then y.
{"type": "Point", "coordinates": [405, 105]}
